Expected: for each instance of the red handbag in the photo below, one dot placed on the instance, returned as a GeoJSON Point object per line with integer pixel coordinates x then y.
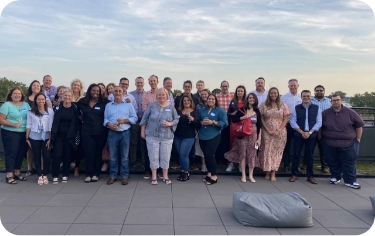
{"type": "Point", "coordinates": [105, 153]}
{"type": "Point", "coordinates": [242, 128]}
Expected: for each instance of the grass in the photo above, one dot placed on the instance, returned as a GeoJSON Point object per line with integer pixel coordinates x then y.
{"type": "Point", "coordinates": [363, 168]}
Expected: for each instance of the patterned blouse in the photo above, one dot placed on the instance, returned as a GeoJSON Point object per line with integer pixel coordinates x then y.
{"type": "Point", "coordinates": [154, 117]}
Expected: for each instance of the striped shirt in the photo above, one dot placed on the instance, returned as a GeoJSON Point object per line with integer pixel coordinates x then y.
{"type": "Point", "coordinates": [323, 103]}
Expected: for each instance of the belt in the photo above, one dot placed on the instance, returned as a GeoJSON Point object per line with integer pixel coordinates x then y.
{"type": "Point", "coordinates": [119, 131]}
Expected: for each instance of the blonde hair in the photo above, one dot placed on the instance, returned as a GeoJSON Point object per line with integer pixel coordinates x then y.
{"type": "Point", "coordinates": [268, 101]}
{"type": "Point", "coordinates": [80, 91]}
{"type": "Point", "coordinates": [164, 90]}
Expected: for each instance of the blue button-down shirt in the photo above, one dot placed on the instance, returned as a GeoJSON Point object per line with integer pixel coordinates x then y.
{"type": "Point", "coordinates": [122, 110]}
{"type": "Point", "coordinates": [138, 98]}
{"type": "Point", "coordinates": [316, 127]}
{"type": "Point", "coordinates": [323, 103]}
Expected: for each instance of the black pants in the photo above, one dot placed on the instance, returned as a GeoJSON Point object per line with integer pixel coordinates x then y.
{"type": "Point", "coordinates": [209, 148]}
{"type": "Point", "coordinates": [322, 160]}
{"type": "Point", "coordinates": [286, 153]}
{"type": "Point", "coordinates": [309, 144]}
{"type": "Point", "coordinates": [39, 148]}
{"type": "Point", "coordinates": [93, 147]}
{"type": "Point", "coordinates": [62, 151]}
{"type": "Point", "coordinates": [76, 155]}
{"type": "Point", "coordinates": [224, 145]}
{"type": "Point", "coordinates": [15, 148]}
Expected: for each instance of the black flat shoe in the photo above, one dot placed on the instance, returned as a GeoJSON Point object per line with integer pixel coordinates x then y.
{"type": "Point", "coordinates": [211, 181]}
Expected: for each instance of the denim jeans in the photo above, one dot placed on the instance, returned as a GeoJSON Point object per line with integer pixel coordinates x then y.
{"type": "Point", "coordinates": [342, 160]}
{"type": "Point", "coordinates": [309, 144]}
{"type": "Point", "coordinates": [118, 144]}
{"type": "Point", "coordinates": [15, 148]}
{"type": "Point", "coordinates": [183, 146]}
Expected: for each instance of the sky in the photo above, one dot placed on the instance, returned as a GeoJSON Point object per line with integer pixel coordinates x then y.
{"type": "Point", "coordinates": [315, 41]}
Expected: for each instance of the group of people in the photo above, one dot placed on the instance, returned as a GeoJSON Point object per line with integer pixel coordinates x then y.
{"type": "Point", "coordinates": [63, 124]}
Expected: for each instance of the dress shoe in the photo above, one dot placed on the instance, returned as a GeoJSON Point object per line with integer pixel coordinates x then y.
{"type": "Point", "coordinates": [312, 180]}
{"type": "Point", "coordinates": [111, 181]}
{"type": "Point", "coordinates": [124, 181]}
{"type": "Point", "coordinates": [293, 178]}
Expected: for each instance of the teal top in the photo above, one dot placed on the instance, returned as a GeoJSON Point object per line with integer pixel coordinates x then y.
{"type": "Point", "coordinates": [207, 132]}
{"type": "Point", "coordinates": [15, 114]}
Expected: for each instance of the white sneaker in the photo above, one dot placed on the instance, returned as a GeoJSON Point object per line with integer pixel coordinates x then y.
{"type": "Point", "coordinates": [354, 185]}
{"type": "Point", "coordinates": [72, 165]}
{"type": "Point", "coordinates": [204, 168]}
{"type": "Point", "coordinates": [64, 179]}
{"type": "Point", "coordinates": [55, 181]}
{"type": "Point", "coordinates": [334, 181]}
{"type": "Point", "coordinates": [230, 167]}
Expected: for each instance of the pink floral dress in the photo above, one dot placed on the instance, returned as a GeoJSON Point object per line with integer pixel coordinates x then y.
{"type": "Point", "coordinates": [272, 147]}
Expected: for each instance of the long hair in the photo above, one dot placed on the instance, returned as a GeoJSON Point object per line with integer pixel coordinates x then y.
{"type": "Point", "coordinates": [268, 101]}
{"type": "Point", "coordinates": [9, 95]}
{"type": "Point", "coordinates": [181, 105]}
{"type": "Point", "coordinates": [80, 94]}
{"type": "Point", "coordinates": [86, 99]}
{"type": "Point", "coordinates": [106, 94]}
{"type": "Point", "coordinates": [256, 101]}
{"type": "Point", "coordinates": [235, 97]}
{"type": "Point", "coordinates": [207, 91]}
{"type": "Point", "coordinates": [58, 90]}
{"type": "Point", "coordinates": [216, 101]}
{"type": "Point", "coordinates": [30, 89]}
{"type": "Point", "coordinates": [34, 108]}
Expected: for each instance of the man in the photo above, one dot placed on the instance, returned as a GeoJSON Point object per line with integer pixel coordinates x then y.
{"type": "Point", "coordinates": [341, 134]}
{"type": "Point", "coordinates": [291, 99]}
{"type": "Point", "coordinates": [306, 121]}
{"type": "Point", "coordinates": [187, 87]}
{"type": "Point", "coordinates": [199, 86]}
{"type": "Point", "coordinates": [324, 103]}
{"type": "Point", "coordinates": [224, 98]}
{"type": "Point", "coordinates": [167, 84]}
{"type": "Point", "coordinates": [48, 89]}
{"type": "Point", "coordinates": [260, 91]}
{"type": "Point", "coordinates": [124, 84]}
{"type": "Point", "coordinates": [118, 116]}
{"type": "Point", "coordinates": [148, 98]}
{"type": "Point", "coordinates": [136, 129]}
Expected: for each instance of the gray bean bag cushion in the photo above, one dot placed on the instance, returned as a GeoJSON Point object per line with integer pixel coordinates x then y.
{"type": "Point", "coordinates": [272, 210]}
{"type": "Point", "coordinates": [372, 199]}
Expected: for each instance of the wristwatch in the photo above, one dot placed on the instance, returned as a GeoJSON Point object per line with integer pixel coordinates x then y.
{"type": "Point", "coordinates": [310, 132]}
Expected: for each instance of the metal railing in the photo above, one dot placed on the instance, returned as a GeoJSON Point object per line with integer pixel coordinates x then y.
{"type": "Point", "coordinates": [367, 114]}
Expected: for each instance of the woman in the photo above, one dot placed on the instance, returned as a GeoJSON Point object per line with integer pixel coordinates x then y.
{"type": "Point", "coordinates": [102, 88]}
{"type": "Point", "coordinates": [13, 115]}
{"type": "Point", "coordinates": [237, 102]}
{"type": "Point", "coordinates": [64, 131]}
{"type": "Point", "coordinates": [33, 89]}
{"type": "Point", "coordinates": [244, 149]}
{"type": "Point", "coordinates": [202, 103]}
{"type": "Point", "coordinates": [161, 119]}
{"type": "Point", "coordinates": [38, 129]}
{"type": "Point", "coordinates": [109, 89]}
{"type": "Point", "coordinates": [59, 96]}
{"type": "Point", "coordinates": [77, 88]}
{"type": "Point", "coordinates": [93, 133]}
{"type": "Point", "coordinates": [274, 118]}
{"type": "Point", "coordinates": [185, 133]}
{"type": "Point", "coordinates": [213, 120]}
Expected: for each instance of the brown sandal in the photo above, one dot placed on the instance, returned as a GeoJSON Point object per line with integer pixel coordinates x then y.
{"type": "Point", "coordinates": [11, 180]}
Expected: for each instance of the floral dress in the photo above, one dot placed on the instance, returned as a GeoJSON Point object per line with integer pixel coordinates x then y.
{"type": "Point", "coordinates": [272, 147]}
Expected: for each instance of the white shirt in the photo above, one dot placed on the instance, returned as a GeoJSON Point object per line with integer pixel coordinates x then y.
{"type": "Point", "coordinates": [171, 99]}
{"type": "Point", "coordinates": [124, 97]}
{"type": "Point", "coordinates": [291, 101]}
{"type": "Point", "coordinates": [261, 97]}
{"type": "Point", "coordinates": [46, 120]}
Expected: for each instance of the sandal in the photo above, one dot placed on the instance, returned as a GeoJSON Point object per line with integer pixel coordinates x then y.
{"type": "Point", "coordinates": [154, 182]}
{"type": "Point", "coordinates": [167, 181]}
{"type": "Point", "coordinates": [211, 181]}
{"type": "Point", "coordinates": [19, 177]}
{"type": "Point", "coordinates": [11, 180]}
{"type": "Point", "coordinates": [45, 180]}
{"type": "Point", "coordinates": [40, 180]}
{"type": "Point", "coordinates": [206, 178]}
{"type": "Point", "coordinates": [181, 177]}
{"type": "Point", "coordinates": [30, 172]}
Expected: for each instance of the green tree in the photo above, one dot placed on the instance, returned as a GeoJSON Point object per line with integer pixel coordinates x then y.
{"type": "Point", "coordinates": [175, 92]}
{"type": "Point", "coordinates": [341, 93]}
{"type": "Point", "coordinates": [7, 84]}
{"type": "Point", "coordinates": [216, 90]}
{"type": "Point", "coordinates": [363, 100]}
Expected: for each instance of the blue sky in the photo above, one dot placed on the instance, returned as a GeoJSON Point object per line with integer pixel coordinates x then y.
{"type": "Point", "coordinates": [316, 41]}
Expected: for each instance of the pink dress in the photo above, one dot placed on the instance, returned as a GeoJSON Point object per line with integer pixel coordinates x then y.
{"type": "Point", "coordinates": [272, 147]}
